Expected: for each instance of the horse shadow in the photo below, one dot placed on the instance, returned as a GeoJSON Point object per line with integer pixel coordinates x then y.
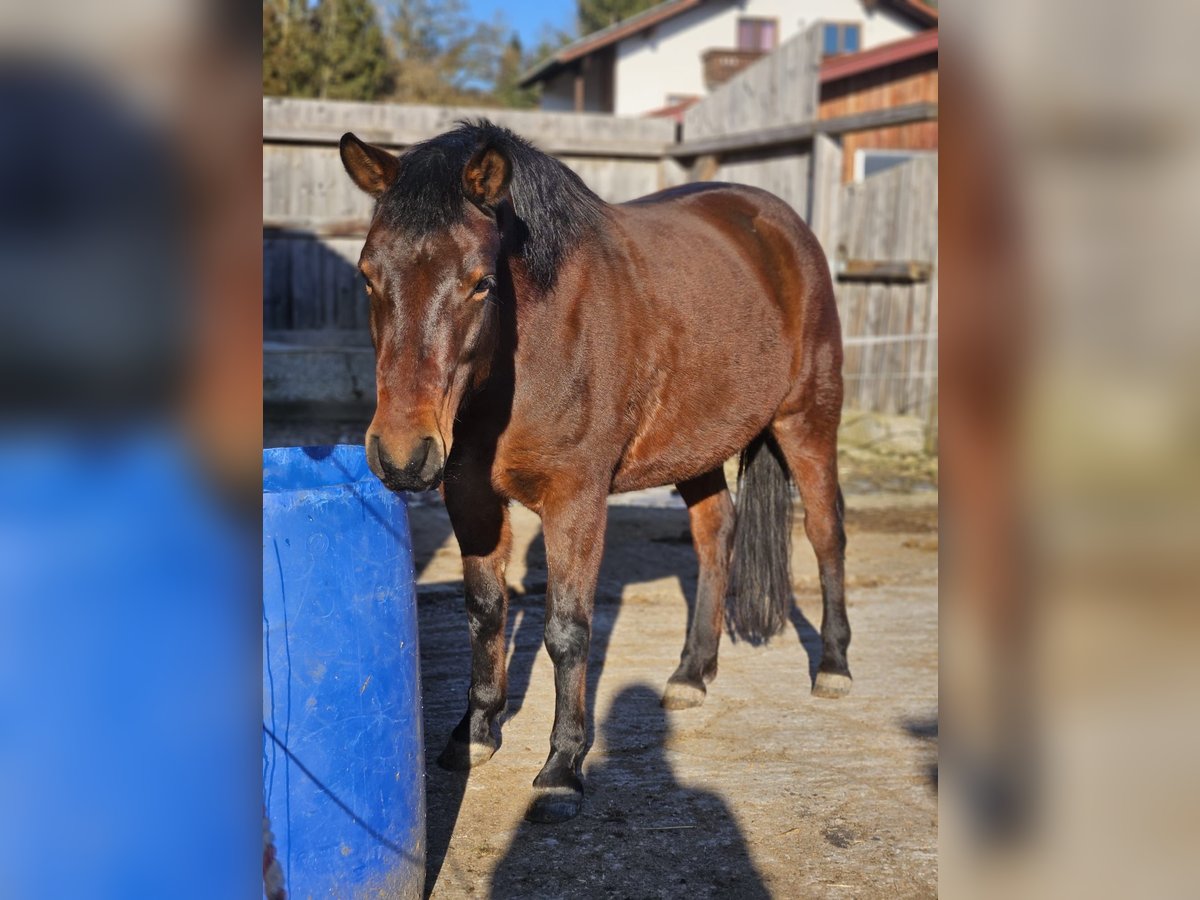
{"type": "Point", "coordinates": [925, 731]}
{"type": "Point", "coordinates": [666, 552]}
{"type": "Point", "coordinates": [642, 544]}
{"type": "Point", "coordinates": [645, 835]}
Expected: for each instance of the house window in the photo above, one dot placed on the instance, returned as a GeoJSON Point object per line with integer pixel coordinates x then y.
{"type": "Point", "coordinates": [841, 37]}
{"type": "Point", "coordinates": [872, 162]}
{"type": "Point", "coordinates": [757, 34]}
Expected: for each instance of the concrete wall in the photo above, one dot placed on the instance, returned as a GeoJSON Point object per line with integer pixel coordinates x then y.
{"type": "Point", "coordinates": [665, 60]}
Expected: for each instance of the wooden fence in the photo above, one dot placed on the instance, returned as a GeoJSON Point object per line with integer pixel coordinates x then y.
{"type": "Point", "coordinates": [315, 219]}
{"type": "Point", "coordinates": [885, 266]}
{"type": "Point", "coordinates": [880, 236]}
{"type": "Point", "coordinates": [780, 90]}
{"type": "Point", "coordinates": [759, 128]}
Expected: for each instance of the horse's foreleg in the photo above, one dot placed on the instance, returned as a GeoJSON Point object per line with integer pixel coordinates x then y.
{"type": "Point", "coordinates": [574, 534]}
{"type": "Point", "coordinates": [480, 520]}
{"type": "Point", "coordinates": [710, 513]}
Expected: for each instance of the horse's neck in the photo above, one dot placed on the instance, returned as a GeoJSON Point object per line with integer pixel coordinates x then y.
{"type": "Point", "coordinates": [537, 324]}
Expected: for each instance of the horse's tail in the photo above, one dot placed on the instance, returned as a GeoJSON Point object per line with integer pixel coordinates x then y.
{"type": "Point", "coordinates": [762, 571]}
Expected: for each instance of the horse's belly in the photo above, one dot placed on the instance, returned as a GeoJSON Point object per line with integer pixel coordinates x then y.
{"type": "Point", "coordinates": [685, 441]}
{"type": "Point", "coordinates": [671, 468]}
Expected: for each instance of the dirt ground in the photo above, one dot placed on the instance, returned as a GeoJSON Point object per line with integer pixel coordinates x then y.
{"type": "Point", "coordinates": [762, 791]}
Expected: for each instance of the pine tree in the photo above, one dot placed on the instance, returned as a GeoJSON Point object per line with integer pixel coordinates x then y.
{"type": "Point", "coordinates": [355, 62]}
{"type": "Point", "coordinates": [597, 14]}
{"type": "Point", "coordinates": [507, 91]}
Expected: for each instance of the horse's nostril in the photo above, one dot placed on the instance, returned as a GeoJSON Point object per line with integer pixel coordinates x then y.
{"type": "Point", "coordinates": [385, 460]}
{"type": "Point", "coordinates": [416, 470]}
{"type": "Point", "coordinates": [425, 449]}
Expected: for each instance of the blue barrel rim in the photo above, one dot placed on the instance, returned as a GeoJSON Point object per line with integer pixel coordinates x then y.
{"type": "Point", "coordinates": [312, 468]}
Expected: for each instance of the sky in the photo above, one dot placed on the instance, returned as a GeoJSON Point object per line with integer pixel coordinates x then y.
{"type": "Point", "coordinates": [528, 16]}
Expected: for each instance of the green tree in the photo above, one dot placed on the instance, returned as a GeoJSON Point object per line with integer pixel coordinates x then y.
{"type": "Point", "coordinates": [597, 14]}
{"type": "Point", "coordinates": [442, 54]}
{"type": "Point", "coordinates": [354, 60]}
{"type": "Point", "coordinates": [429, 51]}
{"type": "Point", "coordinates": [513, 63]}
{"type": "Point", "coordinates": [507, 92]}
{"type": "Point", "coordinates": [290, 49]}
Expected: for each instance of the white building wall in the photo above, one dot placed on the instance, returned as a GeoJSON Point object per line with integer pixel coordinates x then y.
{"type": "Point", "coordinates": [665, 60]}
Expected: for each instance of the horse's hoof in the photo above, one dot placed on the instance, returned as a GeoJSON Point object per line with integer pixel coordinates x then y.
{"type": "Point", "coordinates": [557, 804]}
{"type": "Point", "coordinates": [459, 757]}
{"type": "Point", "coordinates": [681, 695]}
{"type": "Point", "coordinates": [831, 685]}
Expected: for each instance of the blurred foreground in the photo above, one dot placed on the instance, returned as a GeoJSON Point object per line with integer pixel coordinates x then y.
{"type": "Point", "coordinates": [129, 450]}
{"type": "Point", "coordinates": [1071, 198]}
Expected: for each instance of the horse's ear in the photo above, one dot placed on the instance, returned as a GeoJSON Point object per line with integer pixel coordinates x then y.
{"type": "Point", "coordinates": [486, 176]}
{"type": "Point", "coordinates": [372, 168]}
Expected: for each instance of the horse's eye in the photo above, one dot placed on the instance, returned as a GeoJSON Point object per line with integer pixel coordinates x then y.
{"type": "Point", "coordinates": [486, 285]}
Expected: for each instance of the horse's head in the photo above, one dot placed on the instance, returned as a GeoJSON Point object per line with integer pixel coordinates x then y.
{"type": "Point", "coordinates": [429, 262]}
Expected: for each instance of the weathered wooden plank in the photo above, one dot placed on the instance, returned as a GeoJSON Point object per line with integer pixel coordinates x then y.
{"type": "Point", "coordinates": [705, 168]}
{"type": "Point", "coordinates": [289, 120]}
{"type": "Point", "coordinates": [780, 89]}
{"type": "Point", "coordinates": [312, 284]}
{"type": "Point", "coordinates": [824, 199]}
{"type": "Point", "coordinates": [886, 224]}
{"type": "Point", "coordinates": [306, 187]}
{"type": "Point", "coordinates": [312, 228]}
{"type": "Point", "coordinates": [801, 132]}
{"type": "Point", "coordinates": [786, 177]}
{"type": "Point", "coordinates": [616, 180]}
{"type": "Point", "coordinates": [908, 271]}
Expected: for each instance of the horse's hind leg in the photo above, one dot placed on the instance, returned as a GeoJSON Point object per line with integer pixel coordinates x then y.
{"type": "Point", "coordinates": [480, 520]}
{"type": "Point", "coordinates": [710, 511]}
{"type": "Point", "coordinates": [809, 442]}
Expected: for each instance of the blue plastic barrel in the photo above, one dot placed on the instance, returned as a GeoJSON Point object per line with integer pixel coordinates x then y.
{"type": "Point", "coordinates": [343, 758]}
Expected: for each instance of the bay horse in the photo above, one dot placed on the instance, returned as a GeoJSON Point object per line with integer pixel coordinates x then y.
{"type": "Point", "coordinates": [534, 343]}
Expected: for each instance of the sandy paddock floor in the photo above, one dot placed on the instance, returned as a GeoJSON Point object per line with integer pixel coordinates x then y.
{"type": "Point", "coordinates": [762, 791]}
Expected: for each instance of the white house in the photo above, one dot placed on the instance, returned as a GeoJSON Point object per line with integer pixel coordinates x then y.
{"type": "Point", "coordinates": [682, 49]}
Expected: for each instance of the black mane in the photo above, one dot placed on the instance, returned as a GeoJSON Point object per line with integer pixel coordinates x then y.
{"type": "Point", "coordinates": [554, 209]}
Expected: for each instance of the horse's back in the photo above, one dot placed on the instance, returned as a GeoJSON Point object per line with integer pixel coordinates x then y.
{"type": "Point", "coordinates": [743, 248]}
{"type": "Point", "coordinates": [697, 188]}
{"type": "Point", "coordinates": [719, 200]}
{"type": "Point", "coordinates": [724, 279]}
{"type": "Point", "coordinates": [770, 231]}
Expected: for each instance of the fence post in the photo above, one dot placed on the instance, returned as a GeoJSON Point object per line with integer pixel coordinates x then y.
{"type": "Point", "coordinates": [824, 206]}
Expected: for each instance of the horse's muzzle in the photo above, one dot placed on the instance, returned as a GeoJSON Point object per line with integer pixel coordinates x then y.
{"type": "Point", "coordinates": [420, 471]}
